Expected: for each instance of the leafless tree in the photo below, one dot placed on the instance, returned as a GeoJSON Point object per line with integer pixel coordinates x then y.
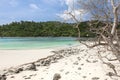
{"type": "Point", "coordinates": [106, 12]}
{"type": "Point", "coordinates": [77, 22]}
{"type": "Point", "coordinates": [106, 15]}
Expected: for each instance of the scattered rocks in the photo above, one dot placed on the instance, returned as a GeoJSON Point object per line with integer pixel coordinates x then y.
{"type": "Point", "coordinates": [46, 61]}
{"type": "Point", "coordinates": [56, 76]}
{"type": "Point", "coordinates": [53, 59]}
{"type": "Point", "coordinates": [3, 77]}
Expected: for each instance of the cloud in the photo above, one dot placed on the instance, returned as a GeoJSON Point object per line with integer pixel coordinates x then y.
{"type": "Point", "coordinates": [71, 8]}
{"type": "Point", "coordinates": [77, 13]}
{"type": "Point", "coordinates": [33, 6]}
{"type": "Point", "coordinates": [64, 16]}
{"type": "Point", "coordinates": [70, 4]}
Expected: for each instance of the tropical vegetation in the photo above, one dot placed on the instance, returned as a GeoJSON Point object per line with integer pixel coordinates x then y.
{"type": "Point", "coordinates": [43, 29]}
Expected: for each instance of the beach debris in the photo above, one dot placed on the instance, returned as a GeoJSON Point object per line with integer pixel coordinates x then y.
{"type": "Point", "coordinates": [56, 76]}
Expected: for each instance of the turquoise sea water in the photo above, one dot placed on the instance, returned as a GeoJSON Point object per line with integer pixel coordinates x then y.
{"type": "Point", "coordinates": [36, 42]}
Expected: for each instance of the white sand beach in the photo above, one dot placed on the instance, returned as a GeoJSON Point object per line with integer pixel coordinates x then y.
{"type": "Point", "coordinates": [74, 63]}
{"type": "Point", "coordinates": [9, 58]}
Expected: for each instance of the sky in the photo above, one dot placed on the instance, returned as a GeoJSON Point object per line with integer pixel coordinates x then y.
{"type": "Point", "coordinates": [34, 10]}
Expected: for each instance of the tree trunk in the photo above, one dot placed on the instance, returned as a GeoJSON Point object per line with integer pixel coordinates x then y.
{"type": "Point", "coordinates": [115, 21]}
{"type": "Point", "coordinates": [78, 31]}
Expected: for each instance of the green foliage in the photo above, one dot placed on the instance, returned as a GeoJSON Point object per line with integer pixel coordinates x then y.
{"type": "Point", "coordinates": [42, 29]}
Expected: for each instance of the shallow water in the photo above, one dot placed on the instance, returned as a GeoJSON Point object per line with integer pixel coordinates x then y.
{"type": "Point", "coordinates": [36, 42]}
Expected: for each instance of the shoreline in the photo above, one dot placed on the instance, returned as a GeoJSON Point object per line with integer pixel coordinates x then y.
{"type": "Point", "coordinates": [14, 57]}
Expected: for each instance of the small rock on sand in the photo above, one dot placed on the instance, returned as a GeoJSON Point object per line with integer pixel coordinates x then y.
{"type": "Point", "coordinates": [56, 76]}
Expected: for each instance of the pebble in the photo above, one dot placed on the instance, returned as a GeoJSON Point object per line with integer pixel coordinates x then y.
{"type": "Point", "coordinates": [56, 76]}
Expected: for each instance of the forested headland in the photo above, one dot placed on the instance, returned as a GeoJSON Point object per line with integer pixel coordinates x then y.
{"type": "Point", "coordinates": [43, 29]}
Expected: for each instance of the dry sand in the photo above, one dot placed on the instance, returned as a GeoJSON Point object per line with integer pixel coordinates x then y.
{"type": "Point", "coordinates": [85, 65]}
{"type": "Point", "coordinates": [10, 58]}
